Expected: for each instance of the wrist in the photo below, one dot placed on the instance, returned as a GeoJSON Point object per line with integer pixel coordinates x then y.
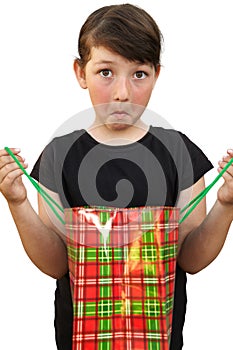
{"type": "Point", "coordinates": [225, 208]}
{"type": "Point", "coordinates": [17, 204]}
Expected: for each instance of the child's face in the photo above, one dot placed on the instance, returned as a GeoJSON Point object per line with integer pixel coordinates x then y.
{"type": "Point", "coordinates": [111, 78]}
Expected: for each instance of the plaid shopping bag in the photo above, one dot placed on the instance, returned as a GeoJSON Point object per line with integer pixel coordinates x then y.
{"type": "Point", "coordinates": [122, 272]}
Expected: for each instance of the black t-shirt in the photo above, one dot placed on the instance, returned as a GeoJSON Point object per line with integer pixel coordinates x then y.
{"type": "Point", "coordinates": [151, 171]}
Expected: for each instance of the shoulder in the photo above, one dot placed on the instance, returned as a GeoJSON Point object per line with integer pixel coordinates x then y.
{"type": "Point", "coordinates": [59, 146]}
{"type": "Point", "coordinates": [175, 140]}
{"type": "Point", "coordinates": [168, 134]}
{"type": "Point", "coordinates": [66, 139]}
{"type": "Point", "coordinates": [190, 160]}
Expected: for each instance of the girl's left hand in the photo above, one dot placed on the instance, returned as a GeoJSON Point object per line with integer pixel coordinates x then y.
{"type": "Point", "coordinates": [225, 193]}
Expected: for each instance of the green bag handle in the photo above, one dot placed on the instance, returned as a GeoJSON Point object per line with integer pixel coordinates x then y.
{"type": "Point", "coordinates": [195, 201]}
{"type": "Point", "coordinates": [55, 206]}
{"type": "Point", "coordinates": [48, 199]}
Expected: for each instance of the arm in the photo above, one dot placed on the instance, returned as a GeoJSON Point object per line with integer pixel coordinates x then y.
{"type": "Point", "coordinates": [202, 238]}
{"type": "Point", "coordinates": [42, 243]}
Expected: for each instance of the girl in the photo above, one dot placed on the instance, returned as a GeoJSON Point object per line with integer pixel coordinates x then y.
{"type": "Point", "coordinates": [118, 63]}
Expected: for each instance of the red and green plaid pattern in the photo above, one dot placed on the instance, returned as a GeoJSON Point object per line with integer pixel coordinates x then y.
{"type": "Point", "coordinates": [122, 271]}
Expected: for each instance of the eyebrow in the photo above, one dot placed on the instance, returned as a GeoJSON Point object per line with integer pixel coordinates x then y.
{"type": "Point", "coordinates": [103, 62]}
{"type": "Point", "coordinates": [137, 63]}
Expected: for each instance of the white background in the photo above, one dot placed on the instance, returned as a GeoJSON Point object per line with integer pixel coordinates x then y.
{"type": "Point", "coordinates": [38, 92]}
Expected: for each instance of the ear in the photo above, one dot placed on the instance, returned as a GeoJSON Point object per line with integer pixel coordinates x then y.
{"type": "Point", "coordinates": [80, 74]}
{"type": "Point", "coordinates": [157, 73]}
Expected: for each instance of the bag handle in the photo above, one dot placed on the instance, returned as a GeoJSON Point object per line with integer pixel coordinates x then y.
{"type": "Point", "coordinates": [195, 201]}
{"type": "Point", "coordinates": [48, 199]}
{"type": "Point", "coordinates": [55, 206]}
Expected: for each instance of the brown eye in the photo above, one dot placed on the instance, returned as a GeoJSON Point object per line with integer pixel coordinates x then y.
{"type": "Point", "coordinates": [105, 73]}
{"type": "Point", "coordinates": [140, 75]}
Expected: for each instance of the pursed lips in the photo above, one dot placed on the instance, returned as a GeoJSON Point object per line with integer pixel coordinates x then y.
{"type": "Point", "coordinates": [120, 114]}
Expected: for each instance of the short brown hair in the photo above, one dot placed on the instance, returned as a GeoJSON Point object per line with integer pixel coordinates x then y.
{"type": "Point", "coordinates": [125, 29]}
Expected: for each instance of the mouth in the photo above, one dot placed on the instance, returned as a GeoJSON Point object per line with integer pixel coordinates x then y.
{"type": "Point", "coordinates": [120, 114]}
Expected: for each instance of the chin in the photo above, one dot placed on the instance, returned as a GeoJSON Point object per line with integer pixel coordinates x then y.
{"type": "Point", "coordinates": [118, 126]}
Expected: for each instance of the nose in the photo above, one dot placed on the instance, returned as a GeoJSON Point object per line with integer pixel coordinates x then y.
{"type": "Point", "coordinates": [121, 90]}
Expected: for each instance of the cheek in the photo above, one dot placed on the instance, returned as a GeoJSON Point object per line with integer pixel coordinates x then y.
{"type": "Point", "coordinates": [99, 96]}
{"type": "Point", "coordinates": [142, 96]}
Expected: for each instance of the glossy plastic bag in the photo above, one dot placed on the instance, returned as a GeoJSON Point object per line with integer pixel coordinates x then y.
{"type": "Point", "coordinates": [122, 270]}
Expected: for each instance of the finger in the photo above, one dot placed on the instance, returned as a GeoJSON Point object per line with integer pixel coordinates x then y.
{"type": "Point", "coordinates": [226, 176]}
{"type": "Point", "coordinates": [228, 156]}
{"type": "Point", "coordinates": [15, 151]}
{"type": "Point", "coordinates": [230, 152]}
{"type": "Point", "coordinates": [11, 177]}
{"type": "Point", "coordinates": [226, 159]}
{"type": "Point", "coordinates": [9, 168]}
{"type": "Point", "coordinates": [223, 163]}
{"type": "Point", "coordinates": [6, 166]}
{"type": "Point", "coordinates": [7, 159]}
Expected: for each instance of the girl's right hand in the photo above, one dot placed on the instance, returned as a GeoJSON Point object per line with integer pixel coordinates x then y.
{"type": "Point", "coordinates": [11, 184]}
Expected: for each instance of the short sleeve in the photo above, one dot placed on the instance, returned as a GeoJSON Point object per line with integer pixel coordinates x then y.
{"type": "Point", "coordinates": [49, 166]}
{"type": "Point", "coordinates": [200, 163]}
{"type": "Point", "coordinates": [43, 170]}
{"type": "Point", "coordinates": [189, 160]}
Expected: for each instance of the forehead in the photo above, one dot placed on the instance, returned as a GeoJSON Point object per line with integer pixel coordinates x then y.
{"type": "Point", "coordinates": [102, 54]}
